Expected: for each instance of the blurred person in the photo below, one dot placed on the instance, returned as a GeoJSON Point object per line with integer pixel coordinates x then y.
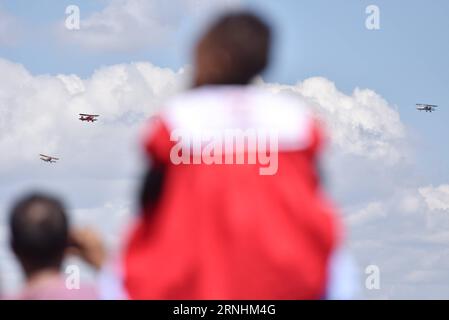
{"type": "Point", "coordinates": [40, 239]}
{"type": "Point", "coordinates": [225, 231]}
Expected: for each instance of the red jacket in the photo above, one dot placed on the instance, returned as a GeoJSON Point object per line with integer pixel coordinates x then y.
{"type": "Point", "coordinates": [225, 231]}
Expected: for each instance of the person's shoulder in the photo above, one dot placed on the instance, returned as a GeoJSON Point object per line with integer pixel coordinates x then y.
{"type": "Point", "coordinates": [200, 107]}
{"type": "Point", "coordinates": [213, 100]}
{"type": "Point", "coordinates": [218, 108]}
{"type": "Point", "coordinates": [199, 99]}
{"type": "Point", "coordinates": [57, 289]}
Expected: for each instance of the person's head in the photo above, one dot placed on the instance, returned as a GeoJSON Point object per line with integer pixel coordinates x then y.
{"type": "Point", "coordinates": [39, 232]}
{"type": "Point", "coordinates": [233, 50]}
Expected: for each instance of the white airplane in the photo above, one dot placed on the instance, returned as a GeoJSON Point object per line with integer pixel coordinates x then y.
{"type": "Point", "coordinates": [426, 107]}
{"type": "Point", "coordinates": [48, 158]}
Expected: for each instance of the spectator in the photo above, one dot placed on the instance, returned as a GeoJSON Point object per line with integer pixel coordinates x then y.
{"type": "Point", "coordinates": [40, 239]}
{"type": "Point", "coordinates": [213, 231]}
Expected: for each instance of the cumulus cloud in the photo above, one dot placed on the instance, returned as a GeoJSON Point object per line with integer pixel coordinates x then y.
{"type": "Point", "coordinates": [390, 218]}
{"type": "Point", "coordinates": [389, 215]}
{"type": "Point", "coordinates": [361, 124]}
{"type": "Point", "coordinates": [367, 214]}
{"type": "Point", "coordinates": [38, 114]}
{"type": "Point", "coordinates": [100, 164]}
{"type": "Point", "coordinates": [437, 198]}
{"type": "Point", "coordinates": [408, 242]}
{"type": "Point", "coordinates": [125, 25]}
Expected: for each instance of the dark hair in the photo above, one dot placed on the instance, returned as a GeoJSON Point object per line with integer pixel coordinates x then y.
{"type": "Point", "coordinates": [151, 187]}
{"type": "Point", "coordinates": [39, 231]}
{"type": "Point", "coordinates": [233, 51]}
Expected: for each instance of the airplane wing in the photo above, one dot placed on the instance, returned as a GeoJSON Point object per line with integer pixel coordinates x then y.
{"type": "Point", "coordinates": [424, 105]}
{"type": "Point", "coordinates": [48, 157]}
{"type": "Point", "coordinates": [89, 115]}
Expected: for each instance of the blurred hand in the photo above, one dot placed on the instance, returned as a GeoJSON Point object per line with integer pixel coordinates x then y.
{"type": "Point", "coordinates": [87, 244]}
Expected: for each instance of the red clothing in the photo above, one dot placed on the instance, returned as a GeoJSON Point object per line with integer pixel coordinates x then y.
{"type": "Point", "coordinates": [226, 231]}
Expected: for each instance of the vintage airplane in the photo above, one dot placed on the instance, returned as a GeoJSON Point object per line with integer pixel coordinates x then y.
{"type": "Point", "coordinates": [88, 117]}
{"type": "Point", "coordinates": [426, 107]}
{"type": "Point", "coordinates": [48, 159]}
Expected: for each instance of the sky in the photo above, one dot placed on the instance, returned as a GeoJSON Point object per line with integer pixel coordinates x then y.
{"type": "Point", "coordinates": [386, 163]}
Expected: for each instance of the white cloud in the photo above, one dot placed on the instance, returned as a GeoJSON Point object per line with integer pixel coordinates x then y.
{"type": "Point", "coordinates": [125, 25]}
{"type": "Point", "coordinates": [38, 114]}
{"type": "Point", "coordinates": [361, 124]}
{"type": "Point", "coordinates": [367, 214]}
{"type": "Point", "coordinates": [437, 198]}
{"type": "Point", "coordinates": [389, 218]}
{"type": "Point", "coordinates": [399, 235]}
{"type": "Point", "coordinates": [100, 163]}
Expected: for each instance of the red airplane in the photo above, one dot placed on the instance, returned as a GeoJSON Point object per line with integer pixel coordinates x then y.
{"type": "Point", "coordinates": [88, 117]}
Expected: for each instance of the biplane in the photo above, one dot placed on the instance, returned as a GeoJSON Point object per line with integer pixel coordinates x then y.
{"type": "Point", "coordinates": [48, 159]}
{"type": "Point", "coordinates": [426, 107]}
{"type": "Point", "coordinates": [88, 117]}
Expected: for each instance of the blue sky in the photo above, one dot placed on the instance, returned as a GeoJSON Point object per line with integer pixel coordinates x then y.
{"type": "Point", "coordinates": [405, 62]}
